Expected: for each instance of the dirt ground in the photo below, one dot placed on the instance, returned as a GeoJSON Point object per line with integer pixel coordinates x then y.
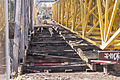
{"type": "Point", "coordinates": [70, 76]}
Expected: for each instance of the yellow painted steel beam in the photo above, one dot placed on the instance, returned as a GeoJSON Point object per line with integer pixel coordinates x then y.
{"type": "Point", "coordinates": [109, 42]}
{"type": "Point", "coordinates": [112, 20]}
{"type": "Point", "coordinates": [34, 14]}
{"type": "Point", "coordinates": [59, 11]}
{"type": "Point", "coordinates": [96, 24]}
{"type": "Point", "coordinates": [91, 19]}
{"type": "Point", "coordinates": [67, 12]}
{"type": "Point", "coordinates": [62, 11]}
{"type": "Point", "coordinates": [86, 17]}
{"type": "Point", "coordinates": [106, 18]}
{"type": "Point", "coordinates": [101, 20]}
{"type": "Point", "coordinates": [73, 13]}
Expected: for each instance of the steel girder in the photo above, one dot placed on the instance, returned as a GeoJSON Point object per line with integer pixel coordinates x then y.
{"type": "Point", "coordinates": [97, 21]}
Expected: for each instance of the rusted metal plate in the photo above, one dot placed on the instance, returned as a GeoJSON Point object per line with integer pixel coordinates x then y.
{"type": "Point", "coordinates": [109, 55]}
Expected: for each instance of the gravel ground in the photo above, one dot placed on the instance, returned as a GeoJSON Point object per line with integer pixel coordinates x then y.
{"type": "Point", "coordinates": [70, 76]}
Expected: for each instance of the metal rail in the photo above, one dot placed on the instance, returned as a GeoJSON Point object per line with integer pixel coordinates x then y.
{"type": "Point", "coordinates": [96, 21]}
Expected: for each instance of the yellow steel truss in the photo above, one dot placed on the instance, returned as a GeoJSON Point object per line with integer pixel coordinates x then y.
{"type": "Point", "coordinates": [97, 21]}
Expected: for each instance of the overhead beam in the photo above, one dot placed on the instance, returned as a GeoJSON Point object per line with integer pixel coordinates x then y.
{"type": "Point", "coordinates": [46, 0]}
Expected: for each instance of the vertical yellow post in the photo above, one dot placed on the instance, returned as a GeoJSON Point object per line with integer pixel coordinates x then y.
{"type": "Point", "coordinates": [100, 20]}
{"type": "Point", "coordinates": [67, 12]}
{"type": "Point", "coordinates": [53, 12]}
{"type": "Point", "coordinates": [82, 13]}
{"type": "Point", "coordinates": [59, 11]}
{"type": "Point", "coordinates": [106, 18]}
{"type": "Point", "coordinates": [62, 12]}
{"type": "Point", "coordinates": [95, 11]}
{"type": "Point", "coordinates": [86, 16]}
{"type": "Point", "coordinates": [73, 13]}
{"type": "Point", "coordinates": [34, 14]}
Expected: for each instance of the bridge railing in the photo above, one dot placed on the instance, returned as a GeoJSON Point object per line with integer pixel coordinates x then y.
{"type": "Point", "coordinates": [97, 21]}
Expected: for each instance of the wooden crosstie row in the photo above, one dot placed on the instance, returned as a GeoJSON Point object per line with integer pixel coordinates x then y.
{"type": "Point", "coordinates": [97, 21]}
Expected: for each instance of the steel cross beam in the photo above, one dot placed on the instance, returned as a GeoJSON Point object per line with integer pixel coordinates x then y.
{"type": "Point", "coordinates": [40, 1]}
{"type": "Point", "coordinates": [46, 0]}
